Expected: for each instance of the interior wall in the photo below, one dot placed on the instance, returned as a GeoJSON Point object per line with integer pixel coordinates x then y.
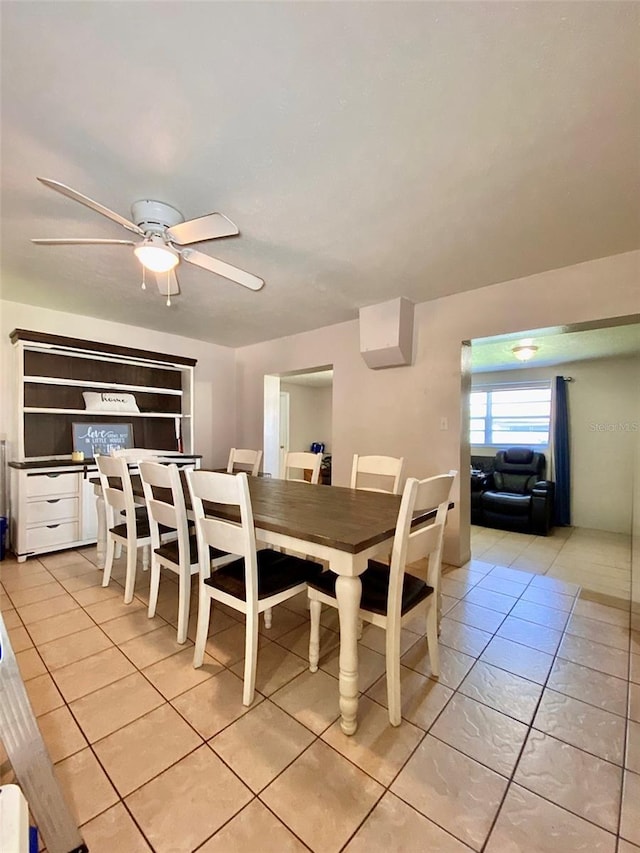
{"type": "Point", "coordinates": [604, 424]}
{"type": "Point", "coordinates": [214, 382]}
{"type": "Point", "coordinates": [309, 415]}
{"type": "Point", "coordinates": [400, 411]}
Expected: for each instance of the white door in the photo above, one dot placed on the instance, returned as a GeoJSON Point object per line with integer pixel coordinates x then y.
{"type": "Point", "coordinates": [284, 424]}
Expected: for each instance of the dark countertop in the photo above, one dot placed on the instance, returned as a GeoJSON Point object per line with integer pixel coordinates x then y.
{"type": "Point", "coordinates": [86, 463]}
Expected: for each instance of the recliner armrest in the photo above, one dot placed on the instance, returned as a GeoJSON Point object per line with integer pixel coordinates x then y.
{"type": "Point", "coordinates": [481, 482]}
{"type": "Point", "coordinates": [542, 487]}
{"type": "Point", "coordinates": [542, 500]}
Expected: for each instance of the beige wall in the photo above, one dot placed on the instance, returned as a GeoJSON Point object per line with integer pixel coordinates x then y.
{"type": "Point", "coordinates": [604, 391]}
{"type": "Point", "coordinates": [214, 403]}
{"type": "Point", "coordinates": [398, 411]}
{"type": "Point", "coordinates": [309, 415]}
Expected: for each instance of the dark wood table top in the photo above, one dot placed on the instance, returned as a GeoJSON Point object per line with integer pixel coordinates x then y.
{"type": "Point", "coordinates": [349, 520]}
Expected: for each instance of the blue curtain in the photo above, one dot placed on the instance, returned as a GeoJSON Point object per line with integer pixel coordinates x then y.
{"type": "Point", "coordinates": [562, 454]}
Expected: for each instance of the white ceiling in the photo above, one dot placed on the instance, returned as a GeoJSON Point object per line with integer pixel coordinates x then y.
{"type": "Point", "coordinates": [365, 150]}
{"type": "Point", "coordinates": [555, 346]}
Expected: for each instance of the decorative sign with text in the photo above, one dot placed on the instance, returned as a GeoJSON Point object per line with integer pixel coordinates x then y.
{"type": "Point", "coordinates": [92, 439]}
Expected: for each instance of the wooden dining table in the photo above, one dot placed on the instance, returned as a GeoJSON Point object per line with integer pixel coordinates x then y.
{"type": "Point", "coordinates": [345, 527]}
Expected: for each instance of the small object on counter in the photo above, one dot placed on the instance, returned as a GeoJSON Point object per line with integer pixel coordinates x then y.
{"type": "Point", "coordinates": [77, 456]}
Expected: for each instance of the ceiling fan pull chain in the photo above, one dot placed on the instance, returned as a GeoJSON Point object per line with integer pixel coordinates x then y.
{"type": "Point", "coordinates": [144, 279]}
{"type": "Point", "coordinates": [169, 289]}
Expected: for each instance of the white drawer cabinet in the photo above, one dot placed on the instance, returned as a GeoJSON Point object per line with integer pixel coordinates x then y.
{"type": "Point", "coordinates": [49, 510]}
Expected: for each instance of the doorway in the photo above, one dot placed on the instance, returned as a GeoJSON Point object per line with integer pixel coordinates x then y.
{"type": "Point", "coordinates": [603, 360]}
{"type": "Point", "coordinates": [298, 413]}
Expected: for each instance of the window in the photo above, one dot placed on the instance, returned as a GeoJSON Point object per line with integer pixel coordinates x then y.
{"type": "Point", "coordinates": [507, 415]}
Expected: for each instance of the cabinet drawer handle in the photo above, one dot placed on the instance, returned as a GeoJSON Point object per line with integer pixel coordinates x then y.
{"type": "Point", "coordinates": [52, 475]}
{"type": "Point", "coordinates": [52, 526]}
{"type": "Point", "coordinates": [53, 501]}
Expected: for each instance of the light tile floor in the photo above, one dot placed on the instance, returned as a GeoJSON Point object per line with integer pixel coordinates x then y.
{"type": "Point", "coordinates": [529, 741]}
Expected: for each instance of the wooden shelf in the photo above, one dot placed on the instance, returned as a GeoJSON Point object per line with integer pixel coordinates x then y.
{"type": "Point", "coordinates": [94, 413]}
{"type": "Point", "coordinates": [105, 386]}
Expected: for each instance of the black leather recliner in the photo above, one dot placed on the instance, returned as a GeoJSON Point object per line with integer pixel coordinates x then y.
{"type": "Point", "coordinates": [518, 497]}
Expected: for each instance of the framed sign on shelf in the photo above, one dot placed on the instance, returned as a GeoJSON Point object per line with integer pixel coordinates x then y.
{"type": "Point", "coordinates": [94, 439]}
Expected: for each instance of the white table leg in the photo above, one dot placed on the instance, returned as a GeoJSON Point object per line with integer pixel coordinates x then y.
{"type": "Point", "coordinates": [102, 531]}
{"type": "Point", "coordinates": [348, 594]}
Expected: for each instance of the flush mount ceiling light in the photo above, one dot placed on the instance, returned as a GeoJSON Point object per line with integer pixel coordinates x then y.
{"type": "Point", "coordinates": [156, 256]}
{"type": "Point", "coordinates": [525, 351]}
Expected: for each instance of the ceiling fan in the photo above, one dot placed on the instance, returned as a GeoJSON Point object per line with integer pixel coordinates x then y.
{"type": "Point", "coordinates": [162, 231]}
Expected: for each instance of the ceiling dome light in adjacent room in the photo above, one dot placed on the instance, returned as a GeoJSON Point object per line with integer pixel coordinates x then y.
{"type": "Point", "coordinates": [525, 351]}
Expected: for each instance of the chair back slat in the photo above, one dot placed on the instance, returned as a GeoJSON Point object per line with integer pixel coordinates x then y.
{"type": "Point", "coordinates": [367, 470]}
{"type": "Point", "coordinates": [423, 542]}
{"type": "Point", "coordinates": [295, 460]}
{"type": "Point", "coordinates": [134, 455]}
{"type": "Point", "coordinates": [116, 499]}
{"type": "Point", "coordinates": [170, 512]}
{"type": "Point", "coordinates": [410, 545]}
{"type": "Point", "coordinates": [223, 534]}
{"type": "Point", "coordinates": [243, 456]}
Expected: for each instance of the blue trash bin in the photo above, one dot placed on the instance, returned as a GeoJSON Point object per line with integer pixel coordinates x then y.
{"type": "Point", "coordinates": [3, 533]}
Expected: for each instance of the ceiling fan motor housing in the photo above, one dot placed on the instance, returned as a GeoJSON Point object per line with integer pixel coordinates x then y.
{"type": "Point", "coordinates": [154, 216]}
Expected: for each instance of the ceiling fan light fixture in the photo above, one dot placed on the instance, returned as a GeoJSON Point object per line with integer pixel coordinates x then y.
{"type": "Point", "coordinates": [524, 352]}
{"type": "Point", "coordinates": [156, 256]}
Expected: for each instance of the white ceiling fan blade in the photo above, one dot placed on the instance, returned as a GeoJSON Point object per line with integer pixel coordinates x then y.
{"type": "Point", "coordinates": [167, 283]}
{"type": "Point", "coordinates": [80, 241]}
{"type": "Point", "coordinates": [246, 279]}
{"type": "Point", "coordinates": [203, 228]}
{"type": "Point", "coordinates": [94, 205]}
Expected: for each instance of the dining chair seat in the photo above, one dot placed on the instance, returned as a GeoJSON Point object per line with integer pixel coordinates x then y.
{"type": "Point", "coordinates": [375, 588]}
{"type": "Point", "coordinates": [277, 573]}
{"type": "Point", "coordinates": [143, 531]}
{"type": "Point", "coordinates": [171, 550]}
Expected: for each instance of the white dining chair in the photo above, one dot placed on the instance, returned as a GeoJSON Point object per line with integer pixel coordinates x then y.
{"type": "Point", "coordinates": [254, 581]}
{"type": "Point", "coordinates": [133, 531]}
{"type": "Point", "coordinates": [167, 512]}
{"type": "Point", "coordinates": [133, 456]}
{"type": "Point", "coordinates": [244, 457]}
{"type": "Point", "coordinates": [389, 593]}
{"type": "Point", "coordinates": [298, 460]}
{"type": "Point", "coordinates": [383, 471]}
{"type": "Point", "coordinates": [137, 454]}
